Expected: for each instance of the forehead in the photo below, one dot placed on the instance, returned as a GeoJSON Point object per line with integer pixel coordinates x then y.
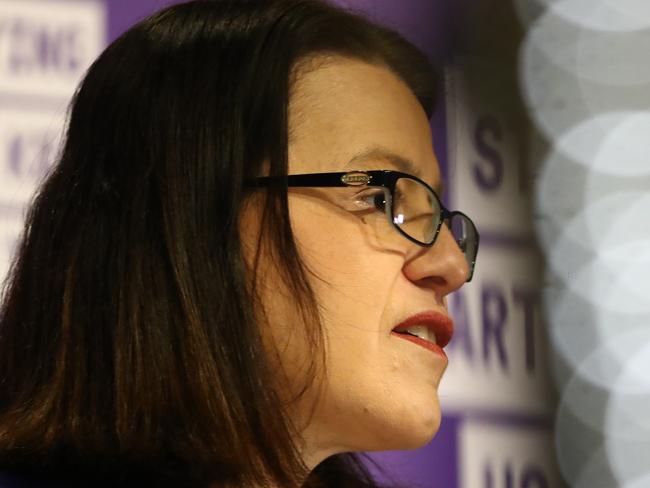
{"type": "Point", "coordinates": [346, 114]}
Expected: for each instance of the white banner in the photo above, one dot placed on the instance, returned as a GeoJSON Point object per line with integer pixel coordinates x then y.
{"type": "Point", "coordinates": [46, 46]}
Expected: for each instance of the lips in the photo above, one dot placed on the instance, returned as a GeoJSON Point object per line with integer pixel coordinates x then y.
{"type": "Point", "coordinates": [441, 325]}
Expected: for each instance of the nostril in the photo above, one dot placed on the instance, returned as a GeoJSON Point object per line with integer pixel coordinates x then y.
{"type": "Point", "coordinates": [429, 281]}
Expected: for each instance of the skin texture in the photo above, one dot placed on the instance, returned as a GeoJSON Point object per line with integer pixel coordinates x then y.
{"type": "Point", "coordinates": [380, 392]}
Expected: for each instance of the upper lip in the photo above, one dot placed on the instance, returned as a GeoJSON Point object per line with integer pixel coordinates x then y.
{"type": "Point", "coordinates": [440, 323]}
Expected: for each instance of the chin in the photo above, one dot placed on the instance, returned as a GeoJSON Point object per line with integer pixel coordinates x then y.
{"type": "Point", "coordinates": [423, 433]}
{"type": "Point", "coordinates": [409, 433]}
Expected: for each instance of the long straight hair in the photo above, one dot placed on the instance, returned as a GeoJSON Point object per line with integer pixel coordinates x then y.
{"type": "Point", "coordinates": [129, 343]}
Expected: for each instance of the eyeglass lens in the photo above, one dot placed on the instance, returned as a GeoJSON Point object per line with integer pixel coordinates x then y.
{"type": "Point", "coordinates": [465, 235]}
{"type": "Point", "coordinates": [416, 212]}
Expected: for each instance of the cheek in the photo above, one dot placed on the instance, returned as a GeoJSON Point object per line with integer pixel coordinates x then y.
{"type": "Point", "coordinates": [380, 395]}
{"type": "Point", "coordinates": [353, 278]}
{"type": "Point", "coordinates": [379, 392]}
{"type": "Point", "coordinates": [285, 337]}
{"type": "Point", "coordinates": [343, 252]}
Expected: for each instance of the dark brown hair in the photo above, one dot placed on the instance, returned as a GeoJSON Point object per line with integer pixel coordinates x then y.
{"type": "Point", "coordinates": [129, 346]}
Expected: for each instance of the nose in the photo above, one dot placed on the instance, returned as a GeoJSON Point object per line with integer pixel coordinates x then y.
{"type": "Point", "coordinates": [441, 267]}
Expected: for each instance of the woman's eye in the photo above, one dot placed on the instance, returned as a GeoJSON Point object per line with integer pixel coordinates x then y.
{"type": "Point", "coordinates": [375, 200]}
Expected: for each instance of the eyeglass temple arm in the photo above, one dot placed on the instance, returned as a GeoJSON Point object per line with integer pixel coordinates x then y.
{"type": "Point", "coordinates": [307, 180]}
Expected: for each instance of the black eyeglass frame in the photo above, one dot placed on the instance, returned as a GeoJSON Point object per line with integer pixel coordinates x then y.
{"type": "Point", "coordinates": [372, 178]}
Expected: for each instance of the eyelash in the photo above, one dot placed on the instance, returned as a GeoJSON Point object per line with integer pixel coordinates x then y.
{"type": "Point", "coordinates": [372, 195]}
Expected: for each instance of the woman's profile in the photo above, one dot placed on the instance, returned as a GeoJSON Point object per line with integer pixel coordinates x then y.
{"type": "Point", "coordinates": [235, 274]}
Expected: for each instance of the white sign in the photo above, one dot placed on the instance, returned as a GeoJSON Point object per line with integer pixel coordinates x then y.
{"type": "Point", "coordinates": [10, 228]}
{"type": "Point", "coordinates": [488, 176]}
{"type": "Point", "coordinates": [498, 354]}
{"type": "Point", "coordinates": [46, 46]}
{"type": "Point", "coordinates": [502, 456]}
{"type": "Point", "coordinates": [29, 142]}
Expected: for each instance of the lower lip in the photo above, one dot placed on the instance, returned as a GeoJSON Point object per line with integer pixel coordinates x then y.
{"type": "Point", "coordinates": [421, 342]}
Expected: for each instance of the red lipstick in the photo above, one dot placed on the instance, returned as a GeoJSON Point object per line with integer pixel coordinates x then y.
{"type": "Point", "coordinates": [440, 324]}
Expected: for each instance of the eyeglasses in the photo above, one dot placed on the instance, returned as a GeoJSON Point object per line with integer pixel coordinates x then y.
{"type": "Point", "coordinates": [411, 206]}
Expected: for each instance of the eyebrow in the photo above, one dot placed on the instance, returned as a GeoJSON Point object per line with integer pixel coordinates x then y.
{"type": "Point", "coordinates": [400, 163]}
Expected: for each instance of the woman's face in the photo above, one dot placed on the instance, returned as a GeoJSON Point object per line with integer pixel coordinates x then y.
{"type": "Point", "coordinates": [380, 392]}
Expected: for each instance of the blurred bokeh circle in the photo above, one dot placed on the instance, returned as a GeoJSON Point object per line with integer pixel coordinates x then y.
{"type": "Point", "coordinates": [627, 419]}
{"type": "Point", "coordinates": [571, 72]}
{"type": "Point", "coordinates": [605, 15]}
{"type": "Point", "coordinates": [613, 279]}
{"type": "Point", "coordinates": [611, 143]}
{"type": "Point", "coordinates": [577, 330]}
{"type": "Point", "coordinates": [585, 79]}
